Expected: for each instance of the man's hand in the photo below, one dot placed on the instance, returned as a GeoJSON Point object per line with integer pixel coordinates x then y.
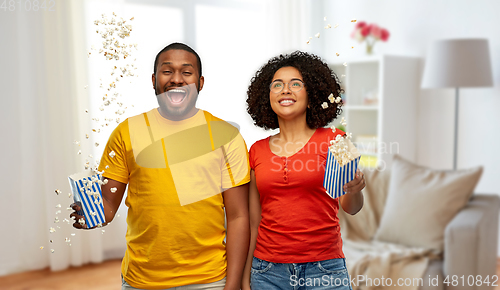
{"type": "Point", "coordinates": [112, 195]}
{"type": "Point", "coordinates": [80, 222]}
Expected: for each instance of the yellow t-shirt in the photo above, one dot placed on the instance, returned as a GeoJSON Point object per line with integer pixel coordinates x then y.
{"type": "Point", "coordinates": [176, 172]}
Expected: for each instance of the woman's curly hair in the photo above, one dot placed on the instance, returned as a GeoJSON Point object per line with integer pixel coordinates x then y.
{"type": "Point", "coordinates": [320, 81]}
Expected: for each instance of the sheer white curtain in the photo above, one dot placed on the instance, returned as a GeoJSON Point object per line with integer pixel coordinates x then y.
{"type": "Point", "coordinates": [43, 61]}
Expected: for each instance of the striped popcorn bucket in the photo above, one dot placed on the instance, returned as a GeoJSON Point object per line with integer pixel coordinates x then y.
{"type": "Point", "coordinates": [337, 176]}
{"type": "Point", "coordinates": [87, 194]}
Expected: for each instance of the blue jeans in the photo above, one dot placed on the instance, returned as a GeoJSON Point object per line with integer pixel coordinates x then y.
{"type": "Point", "coordinates": [321, 275]}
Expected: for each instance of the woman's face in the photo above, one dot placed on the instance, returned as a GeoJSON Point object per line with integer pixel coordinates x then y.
{"type": "Point", "coordinates": [289, 103]}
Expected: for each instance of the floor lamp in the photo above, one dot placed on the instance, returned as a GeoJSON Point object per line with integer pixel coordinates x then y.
{"type": "Point", "coordinates": [457, 63]}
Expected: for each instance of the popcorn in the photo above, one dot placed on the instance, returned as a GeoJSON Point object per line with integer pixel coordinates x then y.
{"type": "Point", "coordinates": [353, 20]}
{"type": "Point", "coordinates": [41, 247]}
{"type": "Point", "coordinates": [72, 234]}
{"type": "Point", "coordinates": [58, 206]}
{"type": "Point", "coordinates": [79, 152]}
{"type": "Point", "coordinates": [58, 191]}
{"type": "Point", "coordinates": [341, 165]}
{"type": "Point", "coordinates": [324, 19]}
{"type": "Point", "coordinates": [89, 199]}
{"type": "Point", "coordinates": [345, 63]}
{"type": "Point", "coordinates": [112, 189]}
{"type": "Point", "coordinates": [52, 251]}
{"type": "Point", "coordinates": [324, 105]}
{"type": "Point", "coordinates": [112, 154]}
{"type": "Point", "coordinates": [328, 26]}
{"type": "Point", "coordinates": [336, 25]}
{"type": "Point", "coordinates": [337, 54]}
{"type": "Point", "coordinates": [81, 221]}
{"type": "Point", "coordinates": [96, 144]}
{"type": "Point", "coordinates": [338, 100]}
{"type": "Point", "coordinates": [317, 35]}
{"type": "Point", "coordinates": [67, 240]}
{"type": "Point", "coordinates": [331, 98]}
{"type": "Point", "coordinates": [52, 230]}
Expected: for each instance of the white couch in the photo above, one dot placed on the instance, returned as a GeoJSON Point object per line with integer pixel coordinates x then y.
{"type": "Point", "coordinates": [470, 238]}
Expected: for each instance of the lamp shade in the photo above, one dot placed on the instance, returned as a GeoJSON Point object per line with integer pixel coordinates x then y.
{"type": "Point", "coordinates": [458, 63]}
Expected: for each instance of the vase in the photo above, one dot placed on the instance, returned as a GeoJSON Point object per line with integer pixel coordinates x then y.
{"type": "Point", "coordinates": [369, 48]}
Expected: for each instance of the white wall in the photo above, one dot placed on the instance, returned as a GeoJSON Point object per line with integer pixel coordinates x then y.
{"type": "Point", "coordinates": [413, 26]}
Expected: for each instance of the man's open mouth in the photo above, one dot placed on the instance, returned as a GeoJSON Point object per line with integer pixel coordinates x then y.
{"type": "Point", "coordinates": [176, 96]}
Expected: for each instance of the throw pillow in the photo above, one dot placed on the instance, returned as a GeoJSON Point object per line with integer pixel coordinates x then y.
{"type": "Point", "coordinates": [422, 201]}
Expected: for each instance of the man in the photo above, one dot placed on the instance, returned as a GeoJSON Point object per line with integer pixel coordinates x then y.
{"type": "Point", "coordinates": [183, 168]}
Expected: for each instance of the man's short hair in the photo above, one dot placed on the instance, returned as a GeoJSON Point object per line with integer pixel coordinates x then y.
{"type": "Point", "coordinates": [181, 46]}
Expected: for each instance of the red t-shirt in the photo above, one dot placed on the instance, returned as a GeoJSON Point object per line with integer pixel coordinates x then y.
{"type": "Point", "coordinates": [299, 219]}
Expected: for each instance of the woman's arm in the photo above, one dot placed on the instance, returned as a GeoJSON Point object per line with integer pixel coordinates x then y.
{"type": "Point", "coordinates": [352, 201]}
{"type": "Point", "coordinates": [255, 216]}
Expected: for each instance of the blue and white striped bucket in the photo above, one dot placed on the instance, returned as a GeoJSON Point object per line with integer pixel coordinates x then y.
{"type": "Point", "coordinates": [337, 176]}
{"type": "Point", "coordinates": [92, 207]}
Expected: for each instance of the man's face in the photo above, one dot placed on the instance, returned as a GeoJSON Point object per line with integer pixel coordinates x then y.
{"type": "Point", "coordinates": [177, 83]}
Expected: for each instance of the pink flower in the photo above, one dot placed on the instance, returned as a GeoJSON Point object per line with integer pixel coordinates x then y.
{"type": "Point", "coordinates": [360, 24]}
{"type": "Point", "coordinates": [376, 31]}
{"type": "Point", "coordinates": [384, 34]}
{"type": "Point", "coordinates": [365, 30]}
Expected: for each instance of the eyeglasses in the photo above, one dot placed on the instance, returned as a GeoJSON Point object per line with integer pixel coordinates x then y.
{"type": "Point", "coordinates": [294, 86]}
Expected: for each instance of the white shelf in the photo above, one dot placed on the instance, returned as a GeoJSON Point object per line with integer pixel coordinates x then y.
{"type": "Point", "coordinates": [361, 108]}
{"type": "Point", "coordinates": [392, 82]}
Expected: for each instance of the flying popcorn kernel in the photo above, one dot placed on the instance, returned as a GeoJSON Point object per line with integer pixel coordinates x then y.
{"type": "Point", "coordinates": [41, 247]}
{"type": "Point", "coordinates": [96, 144]}
{"type": "Point", "coordinates": [328, 26]}
{"type": "Point", "coordinates": [324, 105]}
{"type": "Point", "coordinates": [112, 154]}
{"type": "Point", "coordinates": [112, 189]}
{"type": "Point", "coordinates": [86, 136]}
{"type": "Point", "coordinates": [79, 152]}
{"type": "Point", "coordinates": [58, 206]}
{"type": "Point", "coordinates": [72, 235]}
{"type": "Point", "coordinates": [333, 130]}
{"type": "Point", "coordinates": [336, 25]}
{"type": "Point", "coordinates": [345, 63]}
{"type": "Point", "coordinates": [58, 191]}
{"type": "Point", "coordinates": [324, 18]}
{"type": "Point", "coordinates": [81, 221]}
{"type": "Point", "coordinates": [338, 100]}
{"type": "Point", "coordinates": [331, 98]}
{"type": "Point", "coordinates": [52, 251]}
{"type": "Point", "coordinates": [52, 230]}
{"type": "Point", "coordinates": [67, 240]}
{"type": "Point", "coordinates": [317, 35]}
{"type": "Point", "coordinates": [353, 20]}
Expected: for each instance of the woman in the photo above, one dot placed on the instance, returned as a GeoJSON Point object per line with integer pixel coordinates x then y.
{"type": "Point", "coordinates": [295, 234]}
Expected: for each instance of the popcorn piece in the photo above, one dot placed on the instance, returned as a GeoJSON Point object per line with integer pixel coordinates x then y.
{"type": "Point", "coordinates": [56, 220]}
{"type": "Point", "coordinates": [333, 130]}
{"type": "Point", "coordinates": [103, 231]}
{"type": "Point", "coordinates": [105, 181]}
{"type": "Point", "coordinates": [324, 19]}
{"type": "Point", "coordinates": [81, 221]}
{"type": "Point", "coordinates": [96, 144]}
{"type": "Point", "coordinates": [345, 63]}
{"type": "Point", "coordinates": [58, 206]}
{"type": "Point", "coordinates": [52, 230]}
{"type": "Point", "coordinates": [86, 111]}
{"type": "Point", "coordinates": [52, 251]}
{"type": "Point", "coordinates": [107, 166]}
{"type": "Point", "coordinates": [338, 100]}
{"type": "Point", "coordinates": [324, 105]}
{"type": "Point", "coordinates": [336, 25]}
{"type": "Point", "coordinates": [328, 26]}
{"type": "Point", "coordinates": [112, 189]}
{"type": "Point", "coordinates": [87, 136]}
{"type": "Point", "coordinates": [79, 152]}
{"type": "Point", "coordinates": [112, 154]}
{"type": "Point", "coordinates": [77, 143]}
{"type": "Point", "coordinates": [337, 53]}
{"type": "Point", "coordinates": [58, 191]}
{"type": "Point", "coordinates": [331, 98]}
{"type": "Point", "coordinates": [70, 195]}
{"type": "Point", "coordinates": [51, 241]}
{"type": "Point", "coordinates": [317, 35]}
{"type": "Point", "coordinates": [73, 235]}
{"type": "Point", "coordinates": [58, 212]}
{"type": "Point", "coordinates": [353, 20]}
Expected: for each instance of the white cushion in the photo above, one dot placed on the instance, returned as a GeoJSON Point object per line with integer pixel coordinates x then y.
{"type": "Point", "coordinates": [422, 201]}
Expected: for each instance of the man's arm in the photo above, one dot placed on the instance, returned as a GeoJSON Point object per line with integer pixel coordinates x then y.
{"type": "Point", "coordinates": [110, 201]}
{"type": "Point", "coordinates": [255, 217]}
{"type": "Point", "coordinates": [238, 234]}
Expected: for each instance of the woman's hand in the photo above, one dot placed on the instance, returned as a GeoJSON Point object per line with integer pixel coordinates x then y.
{"type": "Point", "coordinates": [357, 184]}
